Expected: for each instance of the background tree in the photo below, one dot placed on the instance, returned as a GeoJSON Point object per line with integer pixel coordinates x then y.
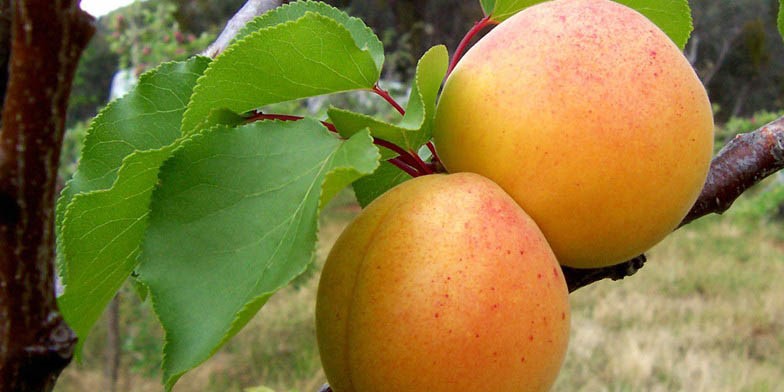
{"type": "Point", "coordinates": [734, 47]}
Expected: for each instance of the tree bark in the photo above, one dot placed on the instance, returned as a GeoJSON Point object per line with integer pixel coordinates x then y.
{"type": "Point", "coordinates": [47, 38]}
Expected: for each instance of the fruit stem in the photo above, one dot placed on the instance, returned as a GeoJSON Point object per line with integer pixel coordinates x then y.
{"type": "Point", "coordinates": [461, 47]}
{"type": "Point", "coordinates": [408, 162]}
{"type": "Point", "coordinates": [387, 97]}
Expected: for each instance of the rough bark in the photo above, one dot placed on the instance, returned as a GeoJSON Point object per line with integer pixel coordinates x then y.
{"type": "Point", "coordinates": [743, 162]}
{"type": "Point", "coordinates": [47, 37]}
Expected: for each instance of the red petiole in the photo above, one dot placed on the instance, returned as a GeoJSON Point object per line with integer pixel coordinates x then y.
{"type": "Point", "coordinates": [461, 47]}
{"type": "Point", "coordinates": [385, 94]}
{"type": "Point", "coordinates": [408, 161]}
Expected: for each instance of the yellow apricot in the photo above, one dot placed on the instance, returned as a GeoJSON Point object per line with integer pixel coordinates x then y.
{"type": "Point", "coordinates": [442, 284]}
{"type": "Point", "coordinates": [590, 117]}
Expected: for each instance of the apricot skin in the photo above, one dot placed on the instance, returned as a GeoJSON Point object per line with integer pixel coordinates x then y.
{"type": "Point", "coordinates": [590, 117]}
{"type": "Point", "coordinates": [442, 284]}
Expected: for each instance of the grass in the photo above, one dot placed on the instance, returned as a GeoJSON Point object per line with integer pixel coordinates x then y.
{"type": "Point", "coordinates": [705, 314]}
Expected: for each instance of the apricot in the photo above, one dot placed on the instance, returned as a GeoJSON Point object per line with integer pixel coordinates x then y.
{"type": "Point", "coordinates": [590, 117]}
{"type": "Point", "coordinates": [442, 284]}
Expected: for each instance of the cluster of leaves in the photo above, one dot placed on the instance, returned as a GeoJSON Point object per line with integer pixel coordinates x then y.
{"type": "Point", "coordinates": [209, 212]}
{"type": "Point", "coordinates": [212, 214]}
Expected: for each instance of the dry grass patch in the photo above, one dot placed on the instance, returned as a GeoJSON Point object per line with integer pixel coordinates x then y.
{"type": "Point", "coordinates": [705, 314]}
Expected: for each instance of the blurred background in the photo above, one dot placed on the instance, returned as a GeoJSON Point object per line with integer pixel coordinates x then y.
{"type": "Point", "coordinates": [705, 314]}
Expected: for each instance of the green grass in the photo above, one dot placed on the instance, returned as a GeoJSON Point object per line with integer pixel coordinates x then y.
{"type": "Point", "coordinates": [706, 313]}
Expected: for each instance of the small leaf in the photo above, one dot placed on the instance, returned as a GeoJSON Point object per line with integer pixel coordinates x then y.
{"type": "Point", "coordinates": [503, 9]}
{"type": "Point", "coordinates": [102, 231]}
{"type": "Point", "coordinates": [384, 178]}
{"type": "Point", "coordinates": [233, 221]}
{"type": "Point", "coordinates": [101, 215]}
{"type": "Point", "coordinates": [311, 56]}
{"type": "Point", "coordinates": [672, 16]}
{"type": "Point", "coordinates": [363, 36]}
{"type": "Point", "coordinates": [415, 128]}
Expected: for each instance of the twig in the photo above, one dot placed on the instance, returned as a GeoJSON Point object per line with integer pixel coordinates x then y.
{"type": "Point", "coordinates": [250, 10]}
{"type": "Point", "coordinates": [746, 160]}
{"type": "Point", "coordinates": [743, 162]}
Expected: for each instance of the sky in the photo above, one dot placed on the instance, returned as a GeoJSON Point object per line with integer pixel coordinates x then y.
{"type": "Point", "coordinates": [103, 7]}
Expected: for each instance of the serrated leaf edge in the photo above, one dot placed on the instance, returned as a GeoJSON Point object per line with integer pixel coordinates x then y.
{"type": "Point", "coordinates": [400, 125]}
{"type": "Point", "coordinates": [246, 31]}
{"type": "Point", "coordinates": [239, 45]}
{"type": "Point", "coordinates": [255, 303]}
{"type": "Point", "coordinates": [64, 200]}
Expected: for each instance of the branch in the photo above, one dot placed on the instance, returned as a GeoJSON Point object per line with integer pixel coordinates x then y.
{"type": "Point", "coordinates": [743, 162]}
{"type": "Point", "coordinates": [47, 39]}
{"type": "Point", "coordinates": [250, 10]}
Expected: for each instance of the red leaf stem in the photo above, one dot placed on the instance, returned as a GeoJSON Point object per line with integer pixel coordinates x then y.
{"type": "Point", "coordinates": [410, 163]}
{"type": "Point", "coordinates": [402, 165]}
{"type": "Point", "coordinates": [385, 94]}
{"type": "Point", "coordinates": [461, 47]}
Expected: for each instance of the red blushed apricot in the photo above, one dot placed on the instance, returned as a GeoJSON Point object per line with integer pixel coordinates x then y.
{"type": "Point", "coordinates": [442, 284]}
{"type": "Point", "coordinates": [590, 117]}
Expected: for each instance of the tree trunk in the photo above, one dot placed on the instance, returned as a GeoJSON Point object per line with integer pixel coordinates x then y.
{"type": "Point", "coordinates": [47, 38]}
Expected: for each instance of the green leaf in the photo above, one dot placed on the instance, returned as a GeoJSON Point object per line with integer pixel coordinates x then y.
{"type": "Point", "coordinates": [101, 214]}
{"type": "Point", "coordinates": [384, 178]}
{"type": "Point", "coordinates": [672, 16]}
{"type": "Point", "coordinates": [102, 231]}
{"type": "Point", "coordinates": [413, 131]}
{"type": "Point", "coordinates": [310, 56]}
{"type": "Point", "coordinates": [487, 6]}
{"type": "Point", "coordinates": [504, 9]}
{"type": "Point", "coordinates": [233, 221]}
{"type": "Point", "coordinates": [781, 18]}
{"type": "Point", "coordinates": [415, 128]}
{"type": "Point", "coordinates": [363, 36]}
{"type": "Point", "coordinates": [141, 120]}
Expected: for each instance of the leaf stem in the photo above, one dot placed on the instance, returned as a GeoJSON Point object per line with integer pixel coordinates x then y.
{"type": "Point", "coordinates": [258, 116]}
{"type": "Point", "coordinates": [385, 94]}
{"type": "Point", "coordinates": [406, 161]}
{"type": "Point", "coordinates": [461, 47]}
{"type": "Point", "coordinates": [404, 167]}
{"type": "Point", "coordinates": [410, 158]}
